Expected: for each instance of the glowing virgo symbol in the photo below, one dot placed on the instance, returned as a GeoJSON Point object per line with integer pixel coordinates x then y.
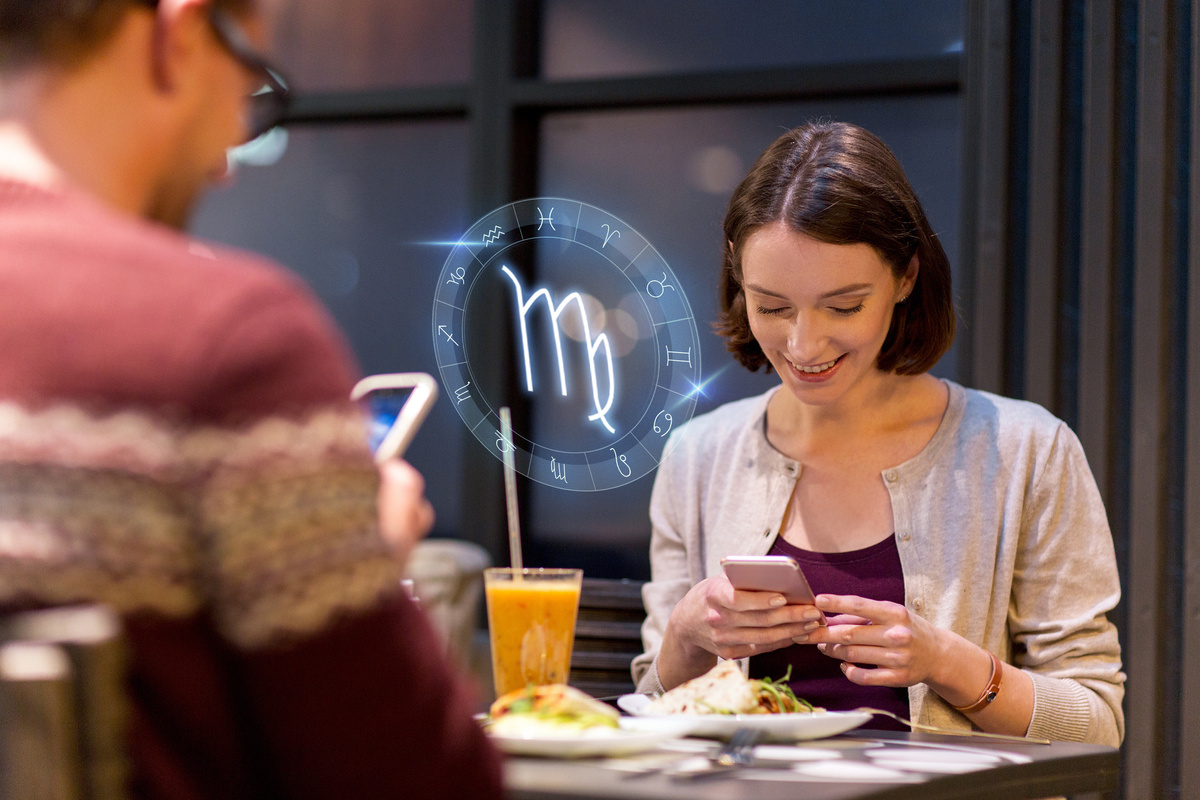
{"type": "Point", "coordinates": [593, 345]}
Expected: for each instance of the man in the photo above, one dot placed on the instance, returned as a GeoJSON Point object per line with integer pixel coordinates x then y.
{"type": "Point", "coordinates": [176, 438]}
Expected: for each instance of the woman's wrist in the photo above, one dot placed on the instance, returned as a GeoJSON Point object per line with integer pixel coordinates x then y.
{"type": "Point", "coordinates": [965, 670]}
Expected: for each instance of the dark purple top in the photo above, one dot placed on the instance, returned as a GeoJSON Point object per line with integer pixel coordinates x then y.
{"type": "Point", "coordinates": [873, 572]}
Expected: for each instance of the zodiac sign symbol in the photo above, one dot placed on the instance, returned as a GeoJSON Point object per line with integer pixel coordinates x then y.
{"type": "Point", "coordinates": [462, 393]}
{"type": "Point", "coordinates": [611, 233]}
{"type": "Point", "coordinates": [662, 287]}
{"type": "Point", "coordinates": [559, 472]}
{"type": "Point", "coordinates": [681, 356]}
{"type": "Point", "coordinates": [593, 345]}
{"type": "Point", "coordinates": [492, 235]}
{"type": "Point", "coordinates": [502, 444]}
{"type": "Point", "coordinates": [549, 219]}
{"type": "Point", "coordinates": [621, 462]}
{"type": "Point", "coordinates": [442, 330]}
{"type": "Point", "coordinates": [458, 276]}
{"type": "Point", "coordinates": [667, 419]}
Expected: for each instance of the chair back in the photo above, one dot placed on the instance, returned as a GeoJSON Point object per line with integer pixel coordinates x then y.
{"type": "Point", "coordinates": [63, 709]}
{"type": "Point", "coordinates": [607, 636]}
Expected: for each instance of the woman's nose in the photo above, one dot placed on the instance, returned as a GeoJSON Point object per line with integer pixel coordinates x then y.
{"type": "Point", "coordinates": [806, 339]}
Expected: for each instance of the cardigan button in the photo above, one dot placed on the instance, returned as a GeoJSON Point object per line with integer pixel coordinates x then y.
{"type": "Point", "coordinates": [890, 476]}
{"type": "Point", "coordinates": [905, 536]}
{"type": "Point", "coordinates": [767, 532]}
{"type": "Point", "coordinates": [917, 604]}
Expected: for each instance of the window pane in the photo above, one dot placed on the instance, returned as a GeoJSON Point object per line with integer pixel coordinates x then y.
{"type": "Point", "coordinates": [371, 44]}
{"type": "Point", "coordinates": [585, 39]}
{"type": "Point", "coordinates": [669, 174]}
{"type": "Point", "coordinates": [350, 210]}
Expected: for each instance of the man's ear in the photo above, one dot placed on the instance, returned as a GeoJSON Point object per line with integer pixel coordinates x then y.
{"type": "Point", "coordinates": [178, 24]}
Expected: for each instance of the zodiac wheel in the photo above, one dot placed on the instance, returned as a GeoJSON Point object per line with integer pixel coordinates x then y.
{"type": "Point", "coordinates": [605, 344]}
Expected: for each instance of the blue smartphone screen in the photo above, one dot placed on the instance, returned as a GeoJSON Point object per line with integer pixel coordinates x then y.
{"type": "Point", "coordinates": [383, 407]}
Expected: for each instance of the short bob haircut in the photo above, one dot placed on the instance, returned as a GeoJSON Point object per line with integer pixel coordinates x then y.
{"type": "Point", "coordinates": [840, 184]}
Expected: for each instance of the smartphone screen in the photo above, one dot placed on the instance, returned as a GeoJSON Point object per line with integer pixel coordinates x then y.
{"type": "Point", "coordinates": [383, 406]}
{"type": "Point", "coordinates": [396, 405]}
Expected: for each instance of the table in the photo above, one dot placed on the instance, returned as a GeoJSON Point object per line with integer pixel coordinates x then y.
{"type": "Point", "coordinates": [1061, 768]}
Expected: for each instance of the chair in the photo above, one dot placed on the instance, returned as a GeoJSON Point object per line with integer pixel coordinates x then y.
{"type": "Point", "coordinates": [608, 635]}
{"type": "Point", "coordinates": [62, 705]}
{"type": "Point", "coordinates": [447, 576]}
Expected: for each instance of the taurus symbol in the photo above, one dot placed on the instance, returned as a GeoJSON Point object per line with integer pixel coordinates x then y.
{"type": "Point", "coordinates": [662, 287]}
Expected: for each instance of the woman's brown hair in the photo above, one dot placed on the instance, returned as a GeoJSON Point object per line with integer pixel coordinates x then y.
{"type": "Point", "coordinates": [839, 183]}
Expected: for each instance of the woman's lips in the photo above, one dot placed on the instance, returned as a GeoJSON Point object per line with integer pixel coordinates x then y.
{"type": "Point", "coordinates": [825, 371]}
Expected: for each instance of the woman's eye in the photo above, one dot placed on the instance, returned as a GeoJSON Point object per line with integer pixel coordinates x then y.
{"type": "Point", "coordinates": [771, 311]}
{"type": "Point", "coordinates": [848, 311]}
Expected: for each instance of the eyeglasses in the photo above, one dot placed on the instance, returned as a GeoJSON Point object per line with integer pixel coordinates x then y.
{"type": "Point", "coordinates": [270, 101]}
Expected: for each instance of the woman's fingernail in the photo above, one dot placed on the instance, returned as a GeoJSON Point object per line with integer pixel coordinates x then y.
{"type": "Point", "coordinates": [812, 613]}
{"type": "Point", "coordinates": [778, 600]}
{"type": "Point", "coordinates": [821, 647]}
{"type": "Point", "coordinates": [801, 639]}
{"type": "Point", "coordinates": [811, 626]}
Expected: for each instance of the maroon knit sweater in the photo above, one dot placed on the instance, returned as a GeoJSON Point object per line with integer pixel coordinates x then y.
{"type": "Point", "coordinates": [176, 441]}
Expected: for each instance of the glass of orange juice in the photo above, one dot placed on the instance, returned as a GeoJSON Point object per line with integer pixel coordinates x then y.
{"type": "Point", "coordinates": [531, 619]}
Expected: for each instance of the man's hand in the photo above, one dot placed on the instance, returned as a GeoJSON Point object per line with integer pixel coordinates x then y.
{"type": "Point", "coordinates": [405, 516]}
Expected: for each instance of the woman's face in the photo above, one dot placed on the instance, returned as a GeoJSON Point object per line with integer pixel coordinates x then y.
{"type": "Point", "coordinates": [819, 311]}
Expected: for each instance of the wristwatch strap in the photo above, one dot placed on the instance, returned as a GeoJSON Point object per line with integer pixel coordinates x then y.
{"type": "Point", "coordinates": [990, 692]}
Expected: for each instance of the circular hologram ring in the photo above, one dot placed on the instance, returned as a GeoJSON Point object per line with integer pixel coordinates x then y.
{"type": "Point", "coordinates": [597, 342]}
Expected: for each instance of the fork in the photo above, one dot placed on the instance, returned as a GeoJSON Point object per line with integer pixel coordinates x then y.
{"type": "Point", "coordinates": [739, 750]}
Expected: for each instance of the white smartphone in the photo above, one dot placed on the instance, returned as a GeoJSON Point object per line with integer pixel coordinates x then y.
{"type": "Point", "coordinates": [398, 403]}
{"type": "Point", "coordinates": [769, 574]}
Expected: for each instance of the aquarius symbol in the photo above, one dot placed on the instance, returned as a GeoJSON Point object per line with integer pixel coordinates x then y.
{"type": "Point", "coordinates": [593, 345]}
{"type": "Point", "coordinates": [680, 356]}
{"type": "Point", "coordinates": [621, 462]}
{"type": "Point", "coordinates": [549, 219]}
{"type": "Point", "coordinates": [611, 233]}
{"type": "Point", "coordinates": [492, 235]}
{"type": "Point", "coordinates": [462, 393]}
{"type": "Point", "coordinates": [458, 276]}
{"type": "Point", "coordinates": [502, 444]}
{"type": "Point", "coordinates": [667, 419]}
{"type": "Point", "coordinates": [449, 337]}
{"type": "Point", "coordinates": [662, 287]}
{"type": "Point", "coordinates": [559, 472]}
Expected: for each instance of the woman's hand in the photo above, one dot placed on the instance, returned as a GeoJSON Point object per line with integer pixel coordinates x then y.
{"type": "Point", "coordinates": [902, 648]}
{"type": "Point", "coordinates": [405, 516]}
{"type": "Point", "coordinates": [905, 649]}
{"type": "Point", "coordinates": [715, 620]}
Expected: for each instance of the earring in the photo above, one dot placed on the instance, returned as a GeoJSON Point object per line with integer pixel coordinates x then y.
{"type": "Point", "coordinates": [902, 299]}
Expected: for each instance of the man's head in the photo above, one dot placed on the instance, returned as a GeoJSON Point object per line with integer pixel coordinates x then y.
{"type": "Point", "coordinates": [63, 32]}
{"type": "Point", "coordinates": [137, 100]}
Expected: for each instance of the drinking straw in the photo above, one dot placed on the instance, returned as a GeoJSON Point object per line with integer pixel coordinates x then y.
{"type": "Point", "coordinates": [510, 493]}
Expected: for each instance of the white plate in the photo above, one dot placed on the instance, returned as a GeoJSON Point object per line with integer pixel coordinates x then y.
{"type": "Point", "coordinates": [778, 727]}
{"type": "Point", "coordinates": [611, 742]}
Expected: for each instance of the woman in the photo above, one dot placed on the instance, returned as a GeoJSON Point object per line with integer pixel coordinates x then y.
{"type": "Point", "coordinates": [938, 525]}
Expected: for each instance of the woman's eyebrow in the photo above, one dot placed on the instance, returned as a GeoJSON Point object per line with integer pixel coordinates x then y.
{"type": "Point", "coordinates": [848, 289]}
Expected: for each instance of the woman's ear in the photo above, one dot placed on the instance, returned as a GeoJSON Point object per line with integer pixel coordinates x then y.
{"type": "Point", "coordinates": [910, 276]}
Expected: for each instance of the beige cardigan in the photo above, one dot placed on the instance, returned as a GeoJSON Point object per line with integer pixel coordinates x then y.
{"type": "Point", "coordinates": [1002, 538]}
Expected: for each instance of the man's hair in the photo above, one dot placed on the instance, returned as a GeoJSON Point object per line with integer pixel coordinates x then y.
{"type": "Point", "coordinates": [840, 184]}
{"type": "Point", "coordinates": [63, 32]}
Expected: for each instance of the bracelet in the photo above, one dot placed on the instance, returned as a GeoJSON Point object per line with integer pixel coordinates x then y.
{"type": "Point", "coordinates": [990, 691]}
